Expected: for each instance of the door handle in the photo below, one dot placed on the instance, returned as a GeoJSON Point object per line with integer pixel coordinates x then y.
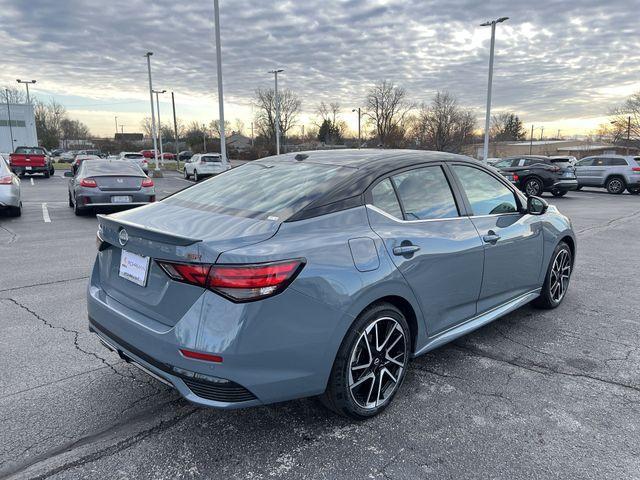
{"type": "Point", "coordinates": [491, 237]}
{"type": "Point", "coordinates": [405, 250]}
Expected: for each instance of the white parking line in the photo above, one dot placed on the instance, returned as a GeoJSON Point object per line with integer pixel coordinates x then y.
{"type": "Point", "coordinates": [45, 213]}
{"type": "Point", "coordinates": [32, 181]}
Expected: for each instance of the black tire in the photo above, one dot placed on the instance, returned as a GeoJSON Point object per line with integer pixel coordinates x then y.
{"type": "Point", "coordinates": [549, 296]}
{"type": "Point", "coordinates": [615, 185]}
{"type": "Point", "coordinates": [579, 188]}
{"type": "Point", "coordinates": [186, 175]}
{"type": "Point", "coordinates": [15, 211]}
{"type": "Point", "coordinates": [533, 187]}
{"type": "Point", "coordinates": [633, 190]}
{"type": "Point", "coordinates": [558, 193]}
{"type": "Point", "coordinates": [47, 173]}
{"type": "Point", "coordinates": [195, 176]}
{"type": "Point", "coordinates": [338, 396]}
{"type": "Point", "coordinates": [70, 200]}
{"type": "Point", "coordinates": [77, 210]}
{"type": "Point", "coordinates": [52, 171]}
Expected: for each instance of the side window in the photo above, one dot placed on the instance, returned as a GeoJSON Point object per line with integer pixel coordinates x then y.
{"type": "Point", "coordinates": [616, 162]}
{"type": "Point", "coordinates": [587, 162]}
{"type": "Point", "coordinates": [503, 164]}
{"type": "Point", "coordinates": [487, 195]}
{"type": "Point", "coordinates": [384, 197]}
{"type": "Point", "coordinates": [599, 162]}
{"type": "Point", "coordinates": [425, 194]}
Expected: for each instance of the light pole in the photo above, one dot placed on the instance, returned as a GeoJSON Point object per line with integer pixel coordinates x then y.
{"type": "Point", "coordinates": [26, 84]}
{"type": "Point", "coordinates": [628, 132]}
{"type": "Point", "coordinates": [157, 172]}
{"type": "Point", "coordinates": [204, 138]}
{"type": "Point", "coordinates": [116, 118]}
{"type": "Point", "coordinates": [485, 150]}
{"type": "Point", "coordinates": [157, 92]}
{"type": "Point", "coordinates": [175, 128]}
{"type": "Point", "coordinates": [277, 100]}
{"type": "Point", "coordinates": [359, 131]}
{"type": "Point", "coordinates": [6, 91]}
{"type": "Point", "coordinates": [223, 141]}
{"type": "Point", "coordinates": [531, 141]}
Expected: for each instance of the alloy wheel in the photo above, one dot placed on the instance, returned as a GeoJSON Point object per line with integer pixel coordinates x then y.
{"type": "Point", "coordinates": [560, 273]}
{"type": "Point", "coordinates": [377, 363]}
{"type": "Point", "coordinates": [533, 188]}
{"type": "Point", "coordinates": [615, 185]}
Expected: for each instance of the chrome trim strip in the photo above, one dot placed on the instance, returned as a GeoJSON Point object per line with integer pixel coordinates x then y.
{"type": "Point", "coordinates": [391, 217]}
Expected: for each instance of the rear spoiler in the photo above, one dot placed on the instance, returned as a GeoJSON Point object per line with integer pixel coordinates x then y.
{"type": "Point", "coordinates": [149, 233]}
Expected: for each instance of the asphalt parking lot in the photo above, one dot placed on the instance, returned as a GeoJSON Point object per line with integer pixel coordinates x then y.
{"type": "Point", "coordinates": [536, 394]}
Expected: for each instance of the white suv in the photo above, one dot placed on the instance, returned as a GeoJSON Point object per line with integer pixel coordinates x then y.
{"type": "Point", "coordinates": [204, 165]}
{"type": "Point", "coordinates": [137, 158]}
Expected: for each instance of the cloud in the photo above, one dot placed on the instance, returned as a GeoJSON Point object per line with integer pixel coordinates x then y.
{"type": "Point", "coordinates": [554, 59]}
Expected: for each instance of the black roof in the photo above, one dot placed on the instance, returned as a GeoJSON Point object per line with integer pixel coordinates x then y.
{"type": "Point", "coordinates": [368, 165]}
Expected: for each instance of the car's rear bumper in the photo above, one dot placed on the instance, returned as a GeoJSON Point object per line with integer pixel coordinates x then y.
{"type": "Point", "coordinates": [19, 170]}
{"type": "Point", "coordinates": [104, 199]}
{"type": "Point", "coordinates": [9, 196]}
{"type": "Point", "coordinates": [568, 184]}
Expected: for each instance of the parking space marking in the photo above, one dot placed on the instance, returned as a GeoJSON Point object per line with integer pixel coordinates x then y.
{"type": "Point", "coordinates": [32, 181]}
{"type": "Point", "coordinates": [45, 213]}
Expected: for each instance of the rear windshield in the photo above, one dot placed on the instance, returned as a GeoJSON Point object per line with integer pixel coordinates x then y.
{"type": "Point", "coordinates": [264, 190]}
{"type": "Point", "coordinates": [133, 155]}
{"type": "Point", "coordinates": [105, 167]}
{"type": "Point", "coordinates": [30, 151]}
{"type": "Point", "coordinates": [211, 159]}
{"type": "Point", "coordinates": [637, 159]}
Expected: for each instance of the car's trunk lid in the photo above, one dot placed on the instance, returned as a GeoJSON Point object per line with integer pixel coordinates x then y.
{"type": "Point", "coordinates": [172, 233]}
{"type": "Point", "coordinates": [118, 183]}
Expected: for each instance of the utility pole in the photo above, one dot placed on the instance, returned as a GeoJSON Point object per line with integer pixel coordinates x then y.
{"type": "Point", "coordinates": [628, 132]}
{"type": "Point", "coordinates": [223, 141]}
{"type": "Point", "coordinates": [116, 119]}
{"type": "Point", "coordinates": [6, 90]}
{"type": "Point", "coordinates": [359, 130]}
{"type": "Point", "coordinates": [541, 133]}
{"type": "Point", "coordinates": [157, 172]}
{"type": "Point", "coordinates": [277, 100]}
{"type": "Point", "coordinates": [252, 134]}
{"type": "Point", "coordinates": [175, 129]}
{"type": "Point", "coordinates": [485, 150]}
{"type": "Point", "coordinates": [531, 141]}
{"type": "Point", "coordinates": [204, 138]}
{"type": "Point", "coordinates": [157, 92]}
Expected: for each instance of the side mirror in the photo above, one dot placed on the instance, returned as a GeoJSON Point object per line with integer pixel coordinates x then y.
{"type": "Point", "coordinates": [68, 173]}
{"type": "Point", "coordinates": [536, 206]}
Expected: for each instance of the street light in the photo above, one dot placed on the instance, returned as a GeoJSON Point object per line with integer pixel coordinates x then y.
{"type": "Point", "coordinates": [157, 92]}
{"type": "Point", "coordinates": [26, 84]}
{"type": "Point", "coordinates": [614, 122]}
{"type": "Point", "coordinates": [116, 118]}
{"type": "Point", "coordinates": [359, 131]}
{"type": "Point", "coordinates": [277, 100]}
{"type": "Point", "coordinates": [485, 151]}
{"type": "Point", "coordinates": [157, 172]}
{"type": "Point", "coordinates": [223, 146]}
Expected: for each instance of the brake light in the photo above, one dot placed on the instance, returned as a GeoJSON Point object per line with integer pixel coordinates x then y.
{"type": "Point", "coordinates": [516, 178]}
{"type": "Point", "coordinates": [636, 169]}
{"type": "Point", "coordinates": [207, 357]}
{"type": "Point", "coordinates": [6, 180]}
{"type": "Point", "coordinates": [88, 182]}
{"type": "Point", "coordinates": [238, 283]}
{"type": "Point", "coordinates": [147, 182]}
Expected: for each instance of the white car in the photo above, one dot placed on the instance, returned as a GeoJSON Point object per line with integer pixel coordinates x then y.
{"type": "Point", "coordinates": [137, 158]}
{"type": "Point", "coordinates": [204, 165]}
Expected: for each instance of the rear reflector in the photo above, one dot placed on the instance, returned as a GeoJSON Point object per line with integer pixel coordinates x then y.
{"type": "Point", "coordinates": [88, 182]}
{"type": "Point", "coordinates": [147, 182]}
{"type": "Point", "coordinates": [239, 283]}
{"type": "Point", "coordinates": [6, 180]}
{"type": "Point", "coordinates": [207, 357]}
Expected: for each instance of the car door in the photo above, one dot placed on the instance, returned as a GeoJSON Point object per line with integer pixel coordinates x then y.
{"type": "Point", "coordinates": [597, 171]}
{"type": "Point", "coordinates": [513, 240]}
{"type": "Point", "coordinates": [582, 170]}
{"type": "Point", "coordinates": [188, 164]}
{"type": "Point", "coordinates": [435, 247]}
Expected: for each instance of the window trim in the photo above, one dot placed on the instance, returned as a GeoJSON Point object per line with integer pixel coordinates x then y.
{"type": "Point", "coordinates": [369, 198]}
{"type": "Point", "coordinates": [516, 193]}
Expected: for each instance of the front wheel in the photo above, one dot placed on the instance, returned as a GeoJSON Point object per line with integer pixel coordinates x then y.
{"type": "Point", "coordinates": [533, 187]}
{"type": "Point", "coordinates": [633, 190]}
{"type": "Point", "coordinates": [558, 193]}
{"type": "Point", "coordinates": [557, 279]}
{"type": "Point", "coordinates": [370, 365]}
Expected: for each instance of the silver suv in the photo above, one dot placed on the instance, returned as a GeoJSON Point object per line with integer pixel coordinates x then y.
{"type": "Point", "coordinates": [613, 172]}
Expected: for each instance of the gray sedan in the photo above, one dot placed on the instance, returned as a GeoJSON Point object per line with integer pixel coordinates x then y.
{"type": "Point", "coordinates": [10, 200]}
{"type": "Point", "coordinates": [105, 183]}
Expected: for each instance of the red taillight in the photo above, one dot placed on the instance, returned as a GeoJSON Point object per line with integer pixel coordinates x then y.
{"type": "Point", "coordinates": [636, 169]}
{"type": "Point", "coordinates": [6, 180]}
{"type": "Point", "coordinates": [207, 357]}
{"type": "Point", "coordinates": [239, 283]}
{"type": "Point", "coordinates": [147, 182]}
{"type": "Point", "coordinates": [88, 182]}
{"type": "Point", "coordinates": [516, 178]}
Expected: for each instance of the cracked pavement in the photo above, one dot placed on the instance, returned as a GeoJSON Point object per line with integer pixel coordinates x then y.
{"type": "Point", "coordinates": [536, 394]}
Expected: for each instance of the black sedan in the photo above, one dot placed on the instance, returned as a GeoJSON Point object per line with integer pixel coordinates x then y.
{"type": "Point", "coordinates": [536, 174]}
{"type": "Point", "coordinates": [109, 183]}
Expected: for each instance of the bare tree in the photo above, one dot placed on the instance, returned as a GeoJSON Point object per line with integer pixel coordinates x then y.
{"type": "Point", "coordinates": [507, 126]}
{"type": "Point", "coordinates": [238, 126]}
{"type": "Point", "coordinates": [48, 117]}
{"type": "Point", "coordinates": [621, 126]}
{"type": "Point", "coordinates": [214, 128]}
{"type": "Point", "coordinates": [444, 126]}
{"type": "Point", "coordinates": [14, 94]}
{"type": "Point", "coordinates": [387, 106]}
{"type": "Point", "coordinates": [265, 107]}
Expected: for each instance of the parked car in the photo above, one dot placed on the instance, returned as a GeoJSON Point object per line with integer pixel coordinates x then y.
{"type": "Point", "coordinates": [57, 152]}
{"type": "Point", "coordinates": [185, 155]}
{"type": "Point", "coordinates": [79, 158]}
{"type": "Point", "coordinates": [204, 165]}
{"type": "Point", "coordinates": [95, 152]}
{"type": "Point", "coordinates": [537, 174]}
{"type": "Point", "coordinates": [102, 183]}
{"type": "Point", "coordinates": [168, 156]}
{"type": "Point", "coordinates": [30, 160]}
{"type": "Point", "coordinates": [613, 172]}
{"type": "Point", "coordinates": [137, 158]}
{"type": "Point", "coordinates": [10, 198]}
{"type": "Point", "coordinates": [321, 273]}
{"type": "Point", "coordinates": [68, 157]}
{"type": "Point", "coordinates": [148, 154]}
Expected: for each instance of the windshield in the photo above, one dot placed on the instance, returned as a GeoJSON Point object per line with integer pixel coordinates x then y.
{"type": "Point", "coordinates": [265, 190]}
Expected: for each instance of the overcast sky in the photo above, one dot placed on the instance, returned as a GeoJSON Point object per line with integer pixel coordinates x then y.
{"type": "Point", "coordinates": [558, 63]}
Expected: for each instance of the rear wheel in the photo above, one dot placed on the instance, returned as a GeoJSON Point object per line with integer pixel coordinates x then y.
{"type": "Point", "coordinates": [47, 173]}
{"type": "Point", "coordinates": [370, 365]}
{"type": "Point", "coordinates": [70, 200]}
{"type": "Point", "coordinates": [77, 210]}
{"type": "Point", "coordinates": [557, 279]}
{"type": "Point", "coordinates": [533, 187]}
{"type": "Point", "coordinates": [615, 185]}
{"type": "Point", "coordinates": [195, 176]}
{"type": "Point", "coordinates": [186, 175]}
{"type": "Point", "coordinates": [579, 187]}
{"type": "Point", "coordinates": [558, 193]}
{"type": "Point", "coordinates": [633, 190]}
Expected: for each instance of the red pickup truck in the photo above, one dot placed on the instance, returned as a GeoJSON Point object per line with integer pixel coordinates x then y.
{"type": "Point", "coordinates": [31, 160]}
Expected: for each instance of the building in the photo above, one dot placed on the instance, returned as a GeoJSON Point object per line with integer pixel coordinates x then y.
{"type": "Point", "coordinates": [576, 148]}
{"type": "Point", "coordinates": [21, 131]}
{"type": "Point", "coordinates": [239, 142]}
